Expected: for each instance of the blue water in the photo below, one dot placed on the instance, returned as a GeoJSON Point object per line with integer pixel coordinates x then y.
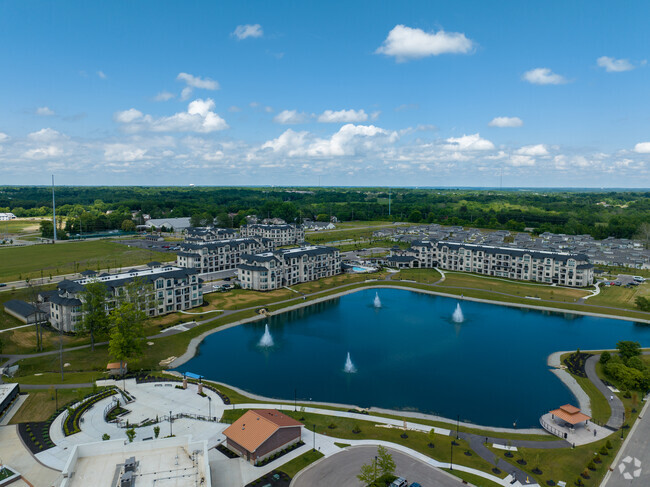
{"type": "Point", "coordinates": [359, 269]}
{"type": "Point", "coordinates": [490, 370]}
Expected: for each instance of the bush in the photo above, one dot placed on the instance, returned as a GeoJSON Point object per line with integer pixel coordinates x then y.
{"type": "Point", "coordinates": [591, 466]}
{"type": "Point", "coordinates": [106, 437]}
{"type": "Point", "coordinates": [597, 459]}
{"type": "Point", "coordinates": [603, 451]}
{"type": "Point", "coordinates": [609, 445]}
{"type": "Point", "coordinates": [579, 482]}
{"type": "Point", "coordinates": [357, 429]}
{"type": "Point", "coordinates": [604, 357]}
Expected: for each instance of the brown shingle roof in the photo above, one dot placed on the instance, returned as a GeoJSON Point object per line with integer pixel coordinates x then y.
{"type": "Point", "coordinates": [570, 414]}
{"type": "Point", "coordinates": [256, 426]}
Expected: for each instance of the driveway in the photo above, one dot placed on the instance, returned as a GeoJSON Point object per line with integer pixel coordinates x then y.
{"type": "Point", "coordinates": [341, 469]}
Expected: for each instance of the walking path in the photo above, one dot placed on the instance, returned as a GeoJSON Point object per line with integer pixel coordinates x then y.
{"type": "Point", "coordinates": [617, 417]}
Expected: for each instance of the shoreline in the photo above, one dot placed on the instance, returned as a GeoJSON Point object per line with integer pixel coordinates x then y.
{"type": "Point", "coordinates": [552, 361]}
{"type": "Point", "coordinates": [192, 347]}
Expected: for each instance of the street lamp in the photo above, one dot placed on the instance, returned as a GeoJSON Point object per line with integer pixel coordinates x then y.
{"type": "Point", "coordinates": [170, 423]}
{"type": "Point", "coordinates": [314, 448]}
{"type": "Point", "coordinates": [457, 424]}
{"type": "Point", "coordinates": [451, 461]}
{"type": "Point", "coordinates": [375, 476]}
{"type": "Point", "coordinates": [210, 407]}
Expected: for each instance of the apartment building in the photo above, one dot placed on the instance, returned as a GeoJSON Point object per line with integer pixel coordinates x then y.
{"type": "Point", "coordinates": [166, 289]}
{"type": "Point", "coordinates": [566, 269]}
{"type": "Point", "coordinates": [208, 234]}
{"type": "Point", "coordinates": [286, 234]}
{"type": "Point", "coordinates": [286, 267]}
{"type": "Point", "coordinates": [221, 255]}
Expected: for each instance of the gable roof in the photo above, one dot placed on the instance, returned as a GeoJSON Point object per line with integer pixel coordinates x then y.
{"type": "Point", "coordinates": [21, 308]}
{"type": "Point", "coordinates": [256, 426]}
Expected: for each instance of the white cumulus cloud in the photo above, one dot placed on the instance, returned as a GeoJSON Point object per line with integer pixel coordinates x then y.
{"type": "Point", "coordinates": [404, 43]}
{"type": "Point", "coordinates": [3, 137]}
{"type": "Point", "coordinates": [290, 116]}
{"type": "Point", "coordinates": [46, 135]}
{"type": "Point", "coordinates": [342, 116]}
{"type": "Point", "coordinates": [472, 142]}
{"type": "Point", "coordinates": [248, 30]}
{"type": "Point", "coordinates": [613, 65]}
{"type": "Point", "coordinates": [640, 148]}
{"type": "Point", "coordinates": [44, 111]}
{"type": "Point", "coordinates": [543, 76]}
{"type": "Point", "coordinates": [506, 122]}
{"type": "Point", "coordinates": [164, 96]}
{"type": "Point", "coordinates": [533, 150]}
{"type": "Point", "coordinates": [199, 117]}
{"type": "Point", "coordinates": [195, 82]}
{"type": "Point", "coordinates": [123, 152]}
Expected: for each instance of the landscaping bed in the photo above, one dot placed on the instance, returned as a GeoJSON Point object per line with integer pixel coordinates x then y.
{"type": "Point", "coordinates": [226, 451]}
{"type": "Point", "coordinates": [72, 420]}
{"type": "Point", "coordinates": [274, 479]}
{"type": "Point", "coordinates": [575, 363]}
{"type": "Point", "coordinates": [279, 454]}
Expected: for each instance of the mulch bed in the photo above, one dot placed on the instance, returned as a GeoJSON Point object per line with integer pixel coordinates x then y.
{"type": "Point", "coordinates": [279, 454]}
{"type": "Point", "coordinates": [36, 435]}
{"type": "Point", "coordinates": [576, 363]}
{"type": "Point", "coordinates": [227, 452]}
{"type": "Point", "coordinates": [274, 478]}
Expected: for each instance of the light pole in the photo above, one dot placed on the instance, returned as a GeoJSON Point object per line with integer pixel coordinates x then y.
{"type": "Point", "coordinates": [457, 425]}
{"type": "Point", "coordinates": [451, 461]}
{"type": "Point", "coordinates": [375, 476]}
{"type": "Point", "coordinates": [295, 399]}
{"type": "Point", "coordinates": [314, 448]}
{"type": "Point", "coordinates": [170, 424]}
{"type": "Point", "coordinates": [209, 407]}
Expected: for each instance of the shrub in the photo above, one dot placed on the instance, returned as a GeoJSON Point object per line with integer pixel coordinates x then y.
{"type": "Point", "coordinates": [156, 431]}
{"type": "Point", "coordinates": [604, 357]}
{"type": "Point", "coordinates": [603, 451]}
{"type": "Point", "coordinates": [609, 445]}
{"type": "Point", "coordinates": [597, 458]}
{"type": "Point", "coordinates": [356, 429]}
{"type": "Point", "coordinates": [106, 436]}
{"type": "Point", "coordinates": [591, 465]}
{"type": "Point", "coordinates": [579, 482]}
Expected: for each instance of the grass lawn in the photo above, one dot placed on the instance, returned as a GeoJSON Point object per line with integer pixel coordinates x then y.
{"type": "Point", "coordinates": [292, 467]}
{"type": "Point", "coordinates": [428, 276]}
{"type": "Point", "coordinates": [472, 479]}
{"type": "Point", "coordinates": [565, 463]}
{"type": "Point", "coordinates": [40, 404]}
{"type": "Point", "coordinates": [47, 378]}
{"type": "Point", "coordinates": [64, 258]}
{"type": "Point", "coordinates": [600, 409]}
{"type": "Point", "coordinates": [620, 296]}
{"type": "Point", "coordinates": [22, 225]}
{"type": "Point", "coordinates": [517, 288]}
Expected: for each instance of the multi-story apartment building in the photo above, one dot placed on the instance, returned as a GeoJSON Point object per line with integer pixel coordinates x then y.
{"type": "Point", "coordinates": [220, 255]}
{"type": "Point", "coordinates": [165, 289]}
{"type": "Point", "coordinates": [286, 267]}
{"type": "Point", "coordinates": [209, 234]}
{"type": "Point", "coordinates": [566, 269]}
{"type": "Point", "coordinates": [286, 234]}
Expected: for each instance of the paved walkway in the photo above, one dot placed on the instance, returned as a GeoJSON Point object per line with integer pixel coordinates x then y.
{"type": "Point", "coordinates": [617, 417]}
{"type": "Point", "coordinates": [15, 454]}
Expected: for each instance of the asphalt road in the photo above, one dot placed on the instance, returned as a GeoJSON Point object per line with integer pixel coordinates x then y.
{"type": "Point", "coordinates": [342, 468]}
{"type": "Point", "coordinates": [633, 466]}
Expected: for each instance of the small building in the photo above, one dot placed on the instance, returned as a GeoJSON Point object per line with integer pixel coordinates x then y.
{"type": "Point", "coordinates": [571, 424]}
{"type": "Point", "coordinates": [172, 224]}
{"type": "Point", "coordinates": [260, 433]}
{"type": "Point", "coordinates": [116, 369]}
{"type": "Point", "coordinates": [8, 394]}
{"type": "Point", "coordinates": [25, 312]}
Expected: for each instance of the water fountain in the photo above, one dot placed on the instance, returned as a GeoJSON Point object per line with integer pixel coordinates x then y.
{"type": "Point", "coordinates": [349, 366]}
{"type": "Point", "coordinates": [377, 301]}
{"type": "Point", "coordinates": [458, 316]}
{"type": "Point", "coordinates": [267, 340]}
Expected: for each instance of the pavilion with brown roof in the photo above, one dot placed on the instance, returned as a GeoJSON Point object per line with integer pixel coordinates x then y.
{"type": "Point", "coordinates": [570, 414]}
{"type": "Point", "coordinates": [259, 433]}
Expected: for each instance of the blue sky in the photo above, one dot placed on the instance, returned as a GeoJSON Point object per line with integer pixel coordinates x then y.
{"type": "Point", "coordinates": [367, 93]}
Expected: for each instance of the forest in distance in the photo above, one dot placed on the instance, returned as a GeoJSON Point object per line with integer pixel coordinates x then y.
{"type": "Point", "coordinates": [598, 213]}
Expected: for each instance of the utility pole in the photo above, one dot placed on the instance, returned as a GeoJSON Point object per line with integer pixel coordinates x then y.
{"type": "Point", "coordinates": [388, 201]}
{"type": "Point", "coordinates": [53, 209]}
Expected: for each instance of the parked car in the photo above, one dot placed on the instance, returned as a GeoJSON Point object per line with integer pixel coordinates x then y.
{"type": "Point", "coordinates": [399, 482]}
{"type": "Point", "coordinates": [638, 278]}
{"type": "Point", "coordinates": [226, 278]}
{"type": "Point", "coordinates": [415, 484]}
{"type": "Point", "coordinates": [617, 283]}
{"type": "Point", "coordinates": [2, 284]}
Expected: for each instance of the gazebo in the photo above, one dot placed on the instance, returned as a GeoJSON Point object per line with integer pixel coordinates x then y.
{"type": "Point", "coordinates": [563, 421]}
{"type": "Point", "coordinates": [569, 414]}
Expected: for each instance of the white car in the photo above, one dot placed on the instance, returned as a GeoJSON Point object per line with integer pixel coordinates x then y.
{"type": "Point", "coordinates": [638, 278]}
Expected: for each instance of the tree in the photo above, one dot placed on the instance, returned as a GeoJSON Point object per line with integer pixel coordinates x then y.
{"type": "Point", "coordinates": [95, 320]}
{"type": "Point", "coordinates": [643, 234]}
{"type": "Point", "coordinates": [605, 357]}
{"type": "Point", "coordinates": [156, 431]}
{"type": "Point", "coordinates": [642, 303]}
{"type": "Point", "coordinates": [130, 434]}
{"type": "Point", "coordinates": [368, 473]}
{"type": "Point", "coordinates": [322, 217]}
{"type": "Point", "coordinates": [127, 332]}
{"type": "Point", "coordinates": [106, 437]}
{"type": "Point", "coordinates": [385, 461]}
{"type": "Point", "coordinates": [47, 229]}
{"type": "Point", "coordinates": [628, 349]}
{"type": "Point", "coordinates": [128, 225]}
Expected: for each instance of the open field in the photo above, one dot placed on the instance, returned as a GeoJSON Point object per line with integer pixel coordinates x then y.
{"type": "Point", "coordinates": [21, 226]}
{"type": "Point", "coordinates": [428, 276]}
{"type": "Point", "coordinates": [35, 261]}
{"type": "Point", "coordinates": [42, 403]}
{"type": "Point", "coordinates": [620, 296]}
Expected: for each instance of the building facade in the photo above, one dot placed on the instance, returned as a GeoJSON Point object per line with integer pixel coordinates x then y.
{"type": "Point", "coordinates": [206, 256]}
{"type": "Point", "coordinates": [565, 269]}
{"type": "Point", "coordinates": [286, 234]}
{"type": "Point", "coordinates": [285, 267]}
{"type": "Point", "coordinates": [208, 234]}
{"type": "Point", "coordinates": [166, 289]}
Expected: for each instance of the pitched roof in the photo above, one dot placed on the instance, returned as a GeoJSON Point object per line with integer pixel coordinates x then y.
{"type": "Point", "coordinates": [570, 414]}
{"type": "Point", "coordinates": [256, 426]}
{"type": "Point", "coordinates": [21, 307]}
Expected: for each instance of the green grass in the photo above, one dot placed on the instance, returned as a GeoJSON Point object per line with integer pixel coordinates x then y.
{"type": "Point", "coordinates": [47, 378]}
{"type": "Point", "coordinates": [420, 275]}
{"type": "Point", "coordinates": [40, 404]}
{"type": "Point", "coordinates": [292, 467]}
{"type": "Point", "coordinates": [341, 445]}
{"type": "Point", "coordinates": [620, 296]}
{"type": "Point", "coordinates": [20, 226]}
{"type": "Point", "coordinates": [64, 258]}
{"type": "Point", "coordinates": [472, 479]}
{"type": "Point", "coordinates": [600, 409]}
